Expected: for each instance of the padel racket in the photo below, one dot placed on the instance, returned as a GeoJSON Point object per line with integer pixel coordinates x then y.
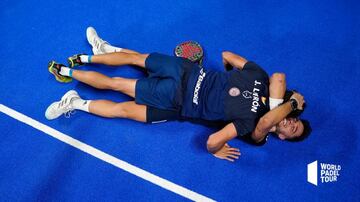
{"type": "Point", "coordinates": [190, 50]}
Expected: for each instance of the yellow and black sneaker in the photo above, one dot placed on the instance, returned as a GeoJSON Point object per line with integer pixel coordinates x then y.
{"type": "Point", "coordinates": [55, 68]}
{"type": "Point", "coordinates": [75, 60]}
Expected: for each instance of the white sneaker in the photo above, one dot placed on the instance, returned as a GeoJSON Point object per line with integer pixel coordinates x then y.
{"type": "Point", "coordinates": [95, 41]}
{"type": "Point", "coordinates": [64, 106]}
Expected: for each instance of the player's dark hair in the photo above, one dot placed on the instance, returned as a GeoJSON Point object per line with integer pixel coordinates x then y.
{"type": "Point", "coordinates": [305, 134]}
{"type": "Point", "coordinates": [297, 112]}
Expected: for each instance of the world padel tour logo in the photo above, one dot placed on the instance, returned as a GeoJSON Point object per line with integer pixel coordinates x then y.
{"type": "Point", "coordinates": [328, 173]}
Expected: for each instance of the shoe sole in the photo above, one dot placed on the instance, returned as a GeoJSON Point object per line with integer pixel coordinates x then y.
{"type": "Point", "coordinates": [47, 109]}
{"type": "Point", "coordinates": [64, 80]}
{"type": "Point", "coordinates": [88, 34]}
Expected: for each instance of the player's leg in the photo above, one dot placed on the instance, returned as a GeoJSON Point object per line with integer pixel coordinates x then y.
{"type": "Point", "coordinates": [109, 109]}
{"type": "Point", "coordinates": [112, 59]}
{"type": "Point", "coordinates": [99, 46]}
{"type": "Point", "coordinates": [106, 54]}
{"type": "Point", "coordinates": [100, 81]}
{"type": "Point", "coordinates": [120, 58]}
{"type": "Point", "coordinates": [94, 79]}
{"type": "Point", "coordinates": [72, 101]}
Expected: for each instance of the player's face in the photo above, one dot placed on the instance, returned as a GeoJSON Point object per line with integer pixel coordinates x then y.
{"type": "Point", "coordinates": [290, 128]}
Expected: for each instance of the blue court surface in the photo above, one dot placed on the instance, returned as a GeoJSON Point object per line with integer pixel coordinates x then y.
{"type": "Point", "coordinates": [89, 158]}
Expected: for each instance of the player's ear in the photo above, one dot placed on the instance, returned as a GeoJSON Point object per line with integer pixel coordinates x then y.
{"type": "Point", "coordinates": [281, 136]}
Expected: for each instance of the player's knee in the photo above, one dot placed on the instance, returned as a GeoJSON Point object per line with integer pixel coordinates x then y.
{"type": "Point", "coordinates": [138, 59]}
{"type": "Point", "coordinates": [120, 111]}
{"type": "Point", "coordinates": [277, 77]}
{"type": "Point", "coordinates": [116, 83]}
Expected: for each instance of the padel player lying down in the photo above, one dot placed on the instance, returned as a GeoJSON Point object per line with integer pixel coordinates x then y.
{"type": "Point", "coordinates": [177, 89]}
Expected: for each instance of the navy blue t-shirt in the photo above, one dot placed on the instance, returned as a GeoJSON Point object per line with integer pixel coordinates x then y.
{"type": "Point", "coordinates": [237, 96]}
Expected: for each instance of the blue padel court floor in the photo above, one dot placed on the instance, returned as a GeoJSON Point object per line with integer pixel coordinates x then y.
{"type": "Point", "coordinates": [89, 158]}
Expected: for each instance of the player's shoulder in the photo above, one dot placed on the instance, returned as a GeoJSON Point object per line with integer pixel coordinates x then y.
{"type": "Point", "coordinates": [255, 68]}
{"type": "Point", "coordinates": [251, 65]}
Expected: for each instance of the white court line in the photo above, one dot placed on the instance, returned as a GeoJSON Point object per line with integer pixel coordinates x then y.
{"type": "Point", "coordinates": [104, 156]}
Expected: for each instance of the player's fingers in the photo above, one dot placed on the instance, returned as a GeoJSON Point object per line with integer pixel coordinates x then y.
{"type": "Point", "coordinates": [229, 159]}
{"type": "Point", "coordinates": [219, 156]}
{"type": "Point", "coordinates": [233, 149]}
{"type": "Point", "coordinates": [234, 152]}
{"type": "Point", "coordinates": [233, 156]}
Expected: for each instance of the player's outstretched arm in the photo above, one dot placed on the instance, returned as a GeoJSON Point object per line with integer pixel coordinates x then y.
{"type": "Point", "coordinates": [232, 60]}
{"type": "Point", "coordinates": [217, 143]}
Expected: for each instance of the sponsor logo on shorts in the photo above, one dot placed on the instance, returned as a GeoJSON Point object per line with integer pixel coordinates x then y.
{"type": "Point", "coordinates": [234, 91]}
{"type": "Point", "coordinates": [329, 173]}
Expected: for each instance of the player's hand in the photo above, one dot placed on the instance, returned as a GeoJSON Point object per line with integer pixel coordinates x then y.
{"type": "Point", "coordinates": [228, 153]}
{"type": "Point", "coordinates": [300, 100]}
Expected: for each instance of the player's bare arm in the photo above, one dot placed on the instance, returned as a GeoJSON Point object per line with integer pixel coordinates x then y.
{"type": "Point", "coordinates": [217, 143]}
{"type": "Point", "coordinates": [273, 117]}
{"type": "Point", "coordinates": [232, 60]}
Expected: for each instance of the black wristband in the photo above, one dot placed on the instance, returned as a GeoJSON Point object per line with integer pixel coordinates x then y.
{"type": "Point", "coordinates": [294, 104]}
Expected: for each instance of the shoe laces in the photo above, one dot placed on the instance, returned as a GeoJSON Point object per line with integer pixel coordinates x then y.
{"type": "Point", "coordinates": [68, 110]}
{"type": "Point", "coordinates": [69, 113]}
{"type": "Point", "coordinates": [98, 43]}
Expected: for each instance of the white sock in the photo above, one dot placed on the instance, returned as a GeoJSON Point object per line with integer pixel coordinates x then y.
{"type": "Point", "coordinates": [66, 71]}
{"type": "Point", "coordinates": [81, 104]}
{"type": "Point", "coordinates": [110, 49]}
{"type": "Point", "coordinates": [85, 58]}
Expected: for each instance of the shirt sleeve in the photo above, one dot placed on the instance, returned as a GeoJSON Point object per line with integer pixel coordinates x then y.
{"type": "Point", "coordinates": [247, 138]}
{"type": "Point", "coordinates": [244, 132]}
{"type": "Point", "coordinates": [252, 66]}
{"type": "Point", "coordinates": [243, 126]}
